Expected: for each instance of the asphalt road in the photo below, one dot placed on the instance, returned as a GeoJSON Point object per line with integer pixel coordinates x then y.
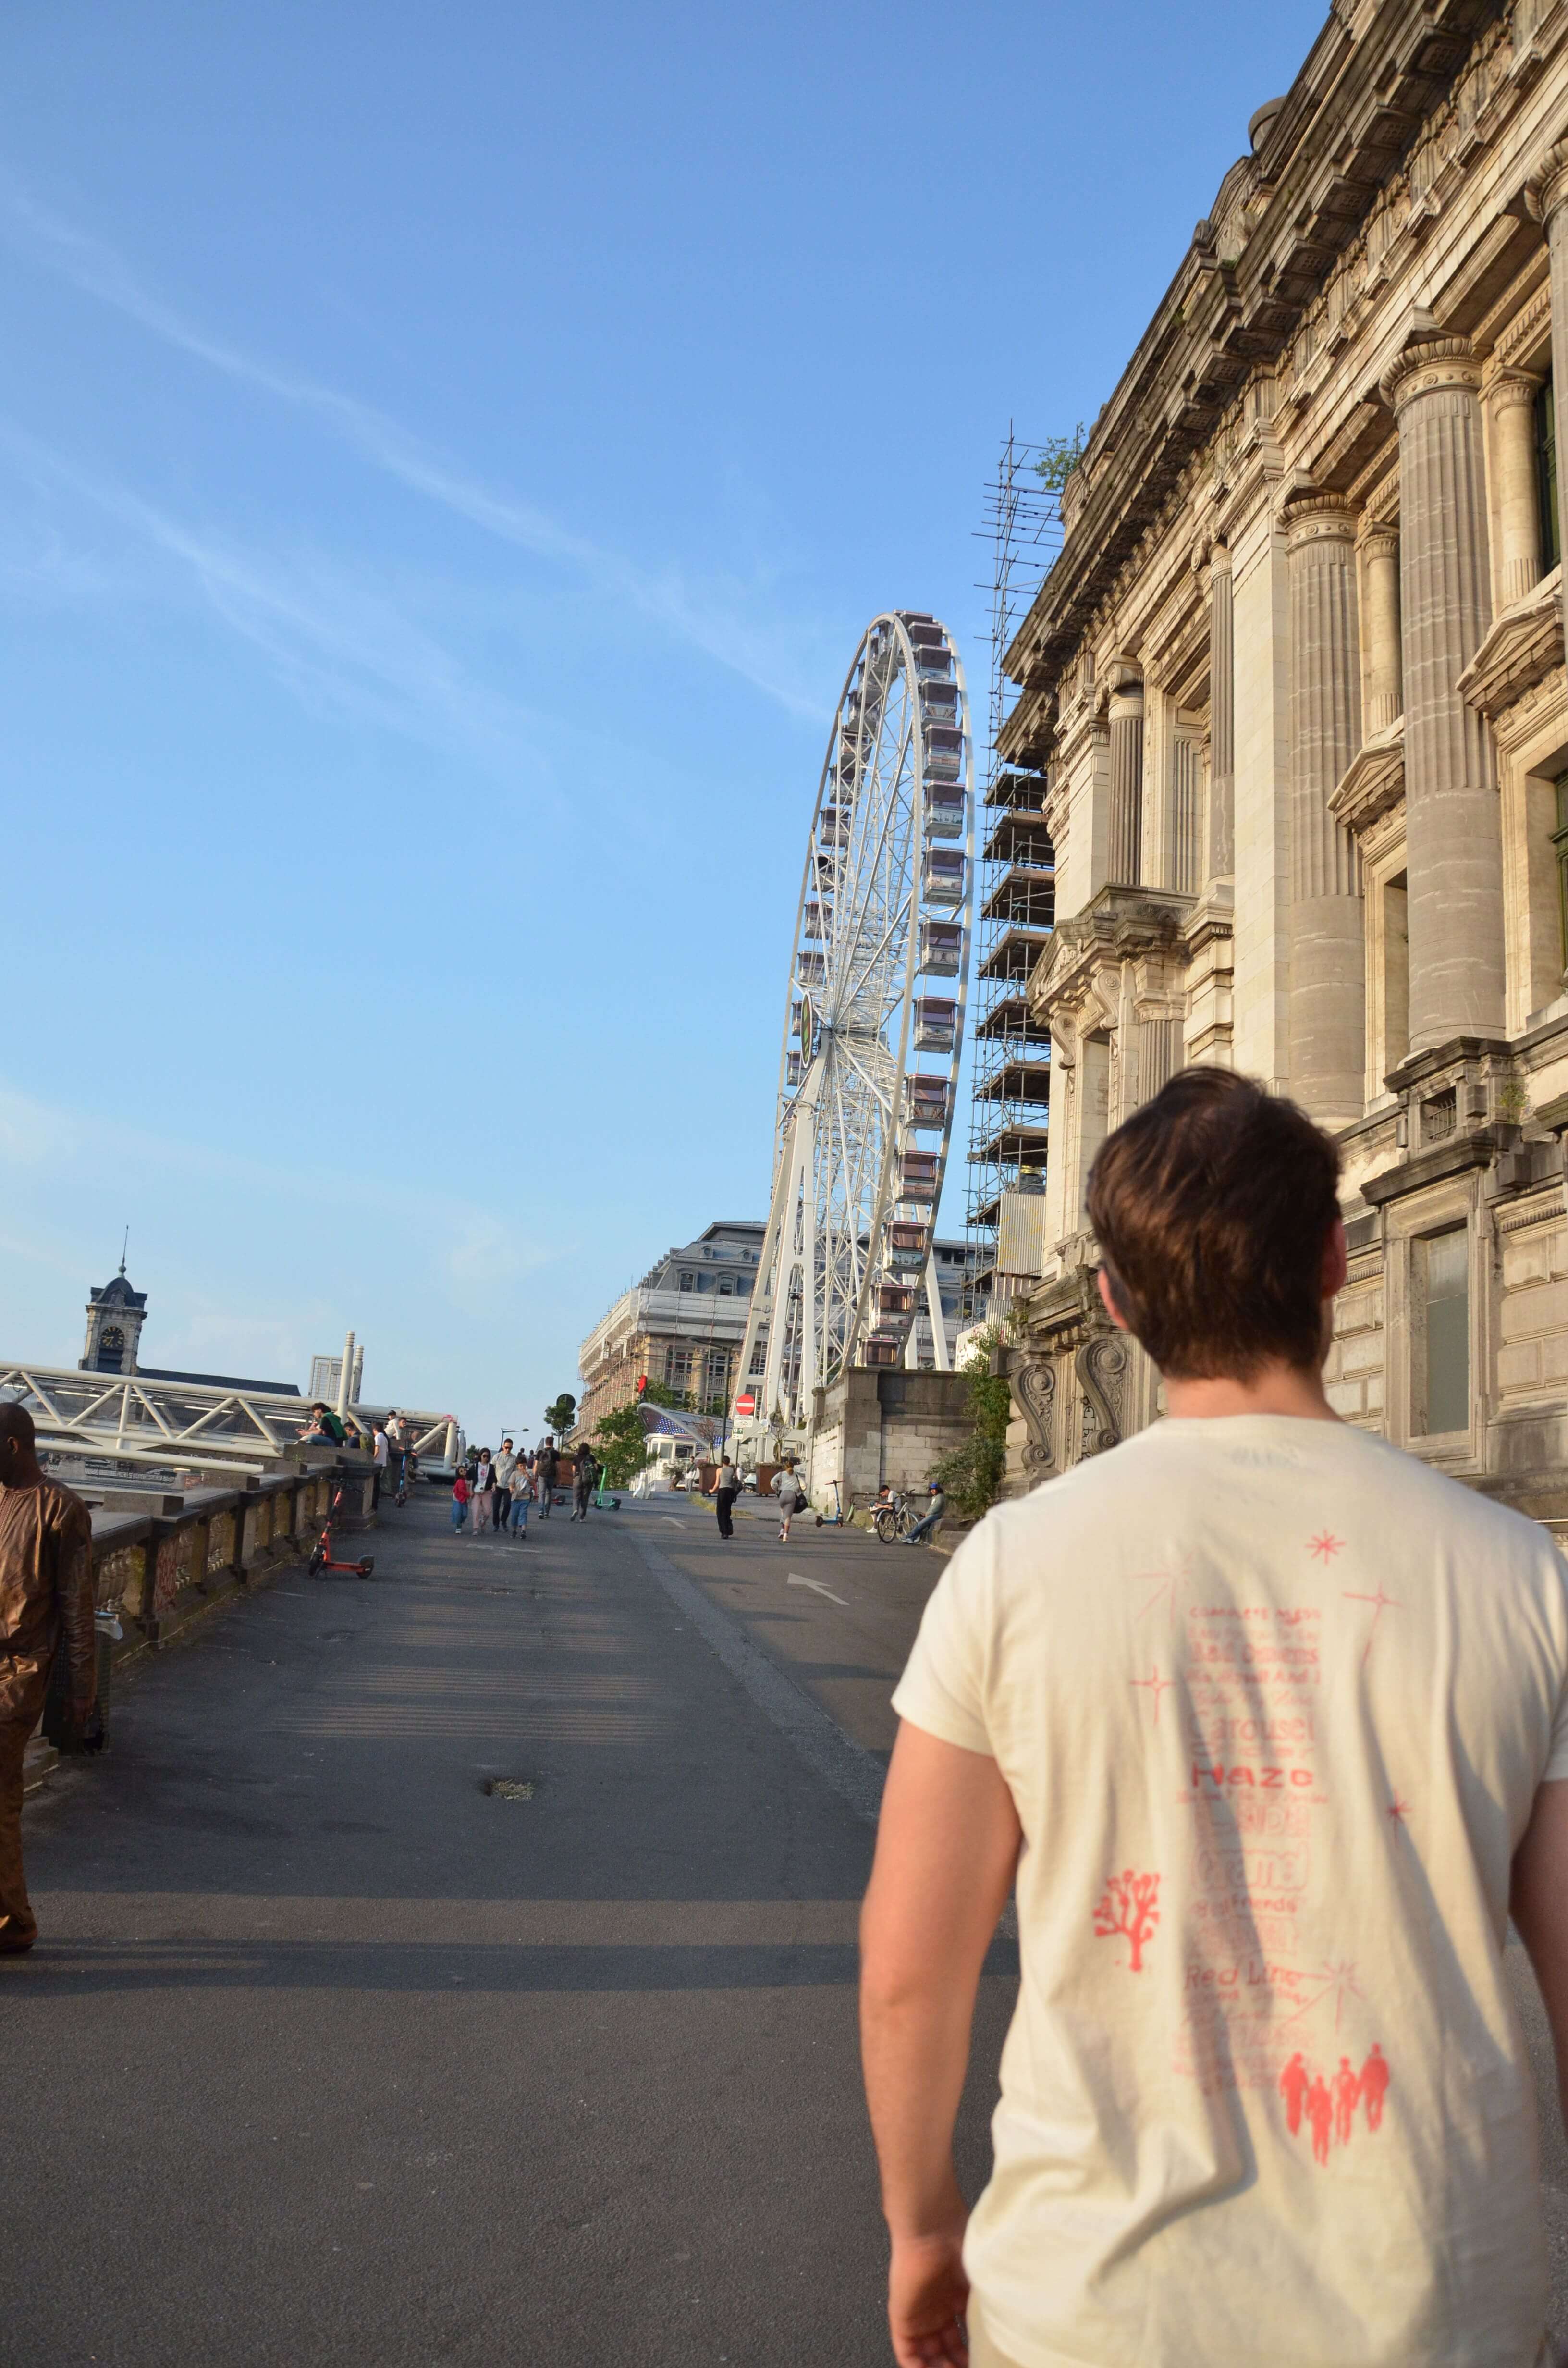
{"type": "Point", "coordinates": [330, 2057]}
{"type": "Point", "coordinates": [334, 2058]}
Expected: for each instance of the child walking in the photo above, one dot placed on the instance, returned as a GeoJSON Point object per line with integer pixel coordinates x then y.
{"type": "Point", "coordinates": [459, 1501]}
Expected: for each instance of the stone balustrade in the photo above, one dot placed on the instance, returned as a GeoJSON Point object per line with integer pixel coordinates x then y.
{"type": "Point", "coordinates": [161, 1563]}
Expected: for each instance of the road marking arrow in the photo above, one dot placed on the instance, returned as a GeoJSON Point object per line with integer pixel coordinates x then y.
{"type": "Point", "coordinates": [817, 1589]}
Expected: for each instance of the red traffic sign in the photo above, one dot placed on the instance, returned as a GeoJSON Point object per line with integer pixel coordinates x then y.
{"type": "Point", "coordinates": [746, 1405]}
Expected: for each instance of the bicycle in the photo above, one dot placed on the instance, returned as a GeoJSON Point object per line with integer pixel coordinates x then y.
{"type": "Point", "coordinates": [893, 1521]}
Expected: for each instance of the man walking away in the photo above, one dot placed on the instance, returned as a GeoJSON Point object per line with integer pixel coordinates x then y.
{"type": "Point", "coordinates": [506, 1464]}
{"type": "Point", "coordinates": [380, 1449]}
{"type": "Point", "coordinates": [725, 1489]}
{"type": "Point", "coordinates": [933, 1521]}
{"type": "Point", "coordinates": [1268, 1722]}
{"type": "Point", "coordinates": [583, 1483]}
{"type": "Point", "coordinates": [46, 1606]}
{"type": "Point", "coordinates": [544, 1476]}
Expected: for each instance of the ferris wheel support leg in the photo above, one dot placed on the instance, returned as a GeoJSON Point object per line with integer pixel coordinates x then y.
{"type": "Point", "coordinates": [938, 1326]}
{"type": "Point", "coordinates": [808, 1277]}
{"type": "Point", "coordinates": [787, 1203]}
{"type": "Point", "coordinates": [769, 1251]}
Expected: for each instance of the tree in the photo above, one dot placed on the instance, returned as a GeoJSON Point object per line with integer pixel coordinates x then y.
{"type": "Point", "coordinates": [1129, 1907]}
{"type": "Point", "coordinates": [621, 1442]}
{"type": "Point", "coordinates": [1059, 456]}
{"type": "Point", "coordinates": [561, 1417]}
{"type": "Point", "coordinates": [659, 1394]}
{"type": "Point", "coordinates": [971, 1472]}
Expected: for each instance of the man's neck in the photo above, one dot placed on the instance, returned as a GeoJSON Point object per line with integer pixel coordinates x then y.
{"type": "Point", "coordinates": [15, 1473]}
{"type": "Point", "coordinates": [1275, 1389]}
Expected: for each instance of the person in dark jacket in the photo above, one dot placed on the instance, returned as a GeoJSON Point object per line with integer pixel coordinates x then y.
{"type": "Point", "coordinates": [46, 1607]}
{"type": "Point", "coordinates": [544, 1477]}
{"type": "Point", "coordinates": [583, 1483]}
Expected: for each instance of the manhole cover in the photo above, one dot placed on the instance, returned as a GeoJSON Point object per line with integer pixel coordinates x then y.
{"type": "Point", "coordinates": [508, 1788]}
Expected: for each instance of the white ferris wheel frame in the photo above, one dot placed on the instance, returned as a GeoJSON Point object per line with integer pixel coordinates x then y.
{"type": "Point", "coordinates": [843, 1121]}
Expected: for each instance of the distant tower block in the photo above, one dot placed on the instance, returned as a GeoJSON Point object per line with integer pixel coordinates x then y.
{"type": "Point", "coordinates": [115, 1317]}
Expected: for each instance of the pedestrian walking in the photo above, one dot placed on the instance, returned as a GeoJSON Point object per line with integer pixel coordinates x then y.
{"type": "Point", "coordinates": [506, 1464]}
{"type": "Point", "coordinates": [484, 1492]}
{"type": "Point", "coordinates": [46, 1607]}
{"type": "Point", "coordinates": [381, 1448]}
{"type": "Point", "coordinates": [1239, 1623]}
{"type": "Point", "coordinates": [791, 1495]}
{"type": "Point", "coordinates": [544, 1477]}
{"type": "Point", "coordinates": [935, 1509]}
{"type": "Point", "coordinates": [461, 1491]}
{"type": "Point", "coordinates": [522, 1489]}
{"type": "Point", "coordinates": [582, 1479]}
{"type": "Point", "coordinates": [725, 1489]}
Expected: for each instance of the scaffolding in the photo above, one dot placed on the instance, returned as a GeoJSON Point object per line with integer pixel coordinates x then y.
{"type": "Point", "coordinates": [1017, 907]}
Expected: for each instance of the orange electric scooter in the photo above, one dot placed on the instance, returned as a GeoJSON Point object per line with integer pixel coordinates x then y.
{"type": "Point", "coordinates": [322, 1558]}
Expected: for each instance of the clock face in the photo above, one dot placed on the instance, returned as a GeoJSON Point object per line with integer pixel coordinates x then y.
{"type": "Point", "coordinates": [114, 1339]}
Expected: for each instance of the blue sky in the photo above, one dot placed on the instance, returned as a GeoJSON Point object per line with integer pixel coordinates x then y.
{"type": "Point", "coordinates": [446, 460]}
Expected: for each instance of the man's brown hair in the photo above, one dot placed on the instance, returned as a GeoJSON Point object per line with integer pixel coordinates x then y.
{"type": "Point", "coordinates": [1212, 1205]}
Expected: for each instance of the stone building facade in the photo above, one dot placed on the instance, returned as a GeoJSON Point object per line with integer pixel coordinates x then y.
{"type": "Point", "coordinates": [1296, 686]}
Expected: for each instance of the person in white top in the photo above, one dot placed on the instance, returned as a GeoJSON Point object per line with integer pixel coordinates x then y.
{"type": "Point", "coordinates": [1268, 1724]}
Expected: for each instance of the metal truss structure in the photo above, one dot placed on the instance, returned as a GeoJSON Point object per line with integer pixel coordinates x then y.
{"type": "Point", "coordinates": [1011, 1074]}
{"type": "Point", "coordinates": [868, 1066]}
{"type": "Point", "coordinates": [130, 1420]}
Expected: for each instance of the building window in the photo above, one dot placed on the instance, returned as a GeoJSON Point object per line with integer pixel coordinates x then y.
{"type": "Point", "coordinates": [1397, 973]}
{"type": "Point", "coordinates": [1560, 846]}
{"type": "Point", "coordinates": [1445, 1280]}
{"type": "Point", "coordinates": [1545, 477]}
{"type": "Point", "coordinates": [686, 1282]}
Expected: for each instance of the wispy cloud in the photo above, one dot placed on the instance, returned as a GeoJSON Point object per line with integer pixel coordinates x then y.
{"type": "Point", "coordinates": [707, 617]}
{"type": "Point", "coordinates": [333, 633]}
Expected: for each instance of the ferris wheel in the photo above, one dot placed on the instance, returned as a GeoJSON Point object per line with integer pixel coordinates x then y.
{"type": "Point", "coordinates": [873, 1028]}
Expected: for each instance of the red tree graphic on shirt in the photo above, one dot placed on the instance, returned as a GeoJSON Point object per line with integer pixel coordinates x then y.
{"type": "Point", "coordinates": [1128, 1905]}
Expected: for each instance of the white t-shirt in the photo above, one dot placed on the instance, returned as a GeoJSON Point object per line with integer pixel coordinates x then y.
{"type": "Point", "coordinates": [506, 1464]}
{"type": "Point", "coordinates": [1273, 1700]}
{"type": "Point", "coordinates": [380, 1449]}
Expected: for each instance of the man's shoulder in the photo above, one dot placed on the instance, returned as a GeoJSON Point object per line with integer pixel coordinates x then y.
{"type": "Point", "coordinates": [63, 1509]}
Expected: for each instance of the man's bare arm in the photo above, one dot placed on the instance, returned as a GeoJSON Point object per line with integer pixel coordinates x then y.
{"type": "Point", "coordinates": [1539, 1907]}
{"type": "Point", "coordinates": [946, 1848]}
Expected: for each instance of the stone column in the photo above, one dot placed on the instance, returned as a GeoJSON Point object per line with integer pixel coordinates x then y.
{"type": "Point", "coordinates": [1510, 398]}
{"type": "Point", "coordinates": [1380, 580]}
{"type": "Point", "coordinates": [1221, 858]}
{"type": "Point", "coordinates": [1328, 999]}
{"type": "Point", "coordinates": [1453, 837]}
{"type": "Point", "coordinates": [1126, 784]}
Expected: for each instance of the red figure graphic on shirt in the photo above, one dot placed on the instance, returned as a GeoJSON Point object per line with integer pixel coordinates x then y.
{"type": "Point", "coordinates": [1374, 2086]}
{"type": "Point", "coordinates": [1346, 2097]}
{"type": "Point", "coordinates": [1128, 1905]}
{"type": "Point", "coordinates": [1294, 2082]}
{"type": "Point", "coordinates": [1319, 2112]}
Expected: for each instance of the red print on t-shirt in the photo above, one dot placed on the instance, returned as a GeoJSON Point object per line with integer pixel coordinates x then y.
{"type": "Point", "coordinates": [1329, 2106]}
{"type": "Point", "coordinates": [1128, 1905]}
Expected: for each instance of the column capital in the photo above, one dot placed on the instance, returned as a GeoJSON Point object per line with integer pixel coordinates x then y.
{"type": "Point", "coordinates": [1431, 364]}
{"type": "Point", "coordinates": [1379, 538]}
{"type": "Point", "coordinates": [1547, 188]}
{"type": "Point", "coordinates": [1509, 388]}
{"type": "Point", "coordinates": [1310, 516]}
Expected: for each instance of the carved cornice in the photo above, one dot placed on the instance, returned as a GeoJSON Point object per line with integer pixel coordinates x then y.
{"type": "Point", "coordinates": [1374, 141]}
{"type": "Point", "coordinates": [1526, 329]}
{"type": "Point", "coordinates": [1372, 784]}
{"type": "Point", "coordinates": [1524, 647]}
